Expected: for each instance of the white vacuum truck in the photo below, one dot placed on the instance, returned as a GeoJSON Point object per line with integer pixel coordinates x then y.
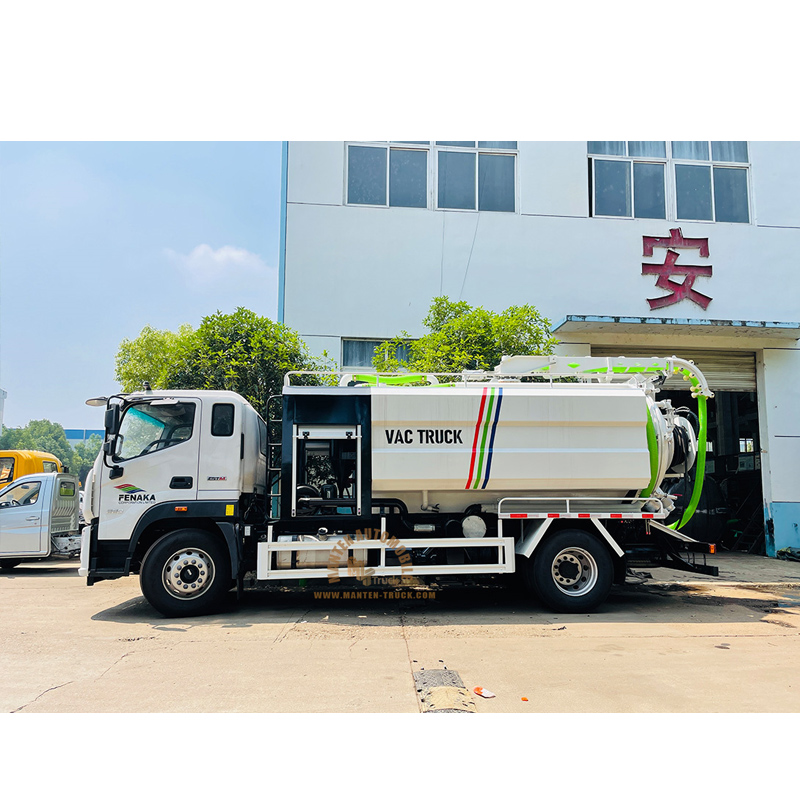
{"type": "Point", "coordinates": [548, 466]}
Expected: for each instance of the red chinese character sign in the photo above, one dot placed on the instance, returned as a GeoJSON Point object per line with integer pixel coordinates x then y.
{"type": "Point", "coordinates": [677, 291]}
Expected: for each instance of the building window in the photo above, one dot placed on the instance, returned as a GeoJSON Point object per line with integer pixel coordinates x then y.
{"type": "Point", "coordinates": [361, 352]}
{"type": "Point", "coordinates": [704, 181]}
{"type": "Point", "coordinates": [466, 175]}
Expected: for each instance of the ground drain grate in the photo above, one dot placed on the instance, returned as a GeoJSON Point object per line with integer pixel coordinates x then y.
{"type": "Point", "coordinates": [442, 691]}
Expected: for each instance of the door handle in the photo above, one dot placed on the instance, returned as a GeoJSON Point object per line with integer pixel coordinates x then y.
{"type": "Point", "coordinates": [34, 518]}
{"type": "Point", "coordinates": [181, 482]}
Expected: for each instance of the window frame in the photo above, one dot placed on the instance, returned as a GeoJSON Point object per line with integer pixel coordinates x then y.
{"type": "Point", "coordinates": [670, 180]}
{"type": "Point", "coordinates": [378, 340]}
{"type": "Point", "coordinates": [214, 407]}
{"type": "Point", "coordinates": [432, 191]}
{"type": "Point", "coordinates": [119, 441]}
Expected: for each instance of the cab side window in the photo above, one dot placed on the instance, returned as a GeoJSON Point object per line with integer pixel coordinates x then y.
{"type": "Point", "coordinates": [49, 466]}
{"type": "Point", "coordinates": [6, 469]}
{"type": "Point", "coordinates": [152, 426]}
{"type": "Point", "coordinates": [222, 419]}
{"type": "Point", "coordinates": [23, 494]}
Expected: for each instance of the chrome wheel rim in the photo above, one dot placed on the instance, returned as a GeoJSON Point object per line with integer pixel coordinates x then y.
{"type": "Point", "coordinates": [574, 571]}
{"type": "Point", "coordinates": [188, 573]}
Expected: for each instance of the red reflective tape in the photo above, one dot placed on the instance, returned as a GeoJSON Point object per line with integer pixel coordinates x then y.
{"type": "Point", "coordinates": [554, 516]}
{"type": "Point", "coordinates": [518, 516]}
{"type": "Point", "coordinates": [647, 516]}
{"type": "Point", "coordinates": [584, 516]}
{"type": "Point", "coordinates": [615, 516]}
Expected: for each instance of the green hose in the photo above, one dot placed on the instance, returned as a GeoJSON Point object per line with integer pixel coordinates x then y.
{"type": "Point", "coordinates": [700, 467]}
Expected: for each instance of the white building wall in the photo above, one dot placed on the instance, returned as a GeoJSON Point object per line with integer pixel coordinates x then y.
{"type": "Point", "coordinates": [367, 272]}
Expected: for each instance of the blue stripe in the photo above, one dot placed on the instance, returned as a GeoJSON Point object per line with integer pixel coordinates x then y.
{"type": "Point", "coordinates": [491, 441]}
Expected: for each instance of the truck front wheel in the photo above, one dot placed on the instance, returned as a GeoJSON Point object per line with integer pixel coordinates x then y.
{"type": "Point", "coordinates": [185, 573]}
{"type": "Point", "coordinates": [571, 571]}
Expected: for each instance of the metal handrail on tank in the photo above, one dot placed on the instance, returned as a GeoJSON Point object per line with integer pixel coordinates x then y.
{"type": "Point", "coordinates": [598, 368]}
{"type": "Point", "coordinates": [579, 507]}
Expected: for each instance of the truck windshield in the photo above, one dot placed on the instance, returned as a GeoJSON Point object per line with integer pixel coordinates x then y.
{"type": "Point", "coordinates": [147, 427]}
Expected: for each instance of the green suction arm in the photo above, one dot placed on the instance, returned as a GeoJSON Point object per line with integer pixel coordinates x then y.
{"type": "Point", "coordinates": [700, 468]}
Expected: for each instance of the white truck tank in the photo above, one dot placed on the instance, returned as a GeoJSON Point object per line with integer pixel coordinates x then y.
{"type": "Point", "coordinates": [518, 437]}
{"type": "Point", "coordinates": [450, 446]}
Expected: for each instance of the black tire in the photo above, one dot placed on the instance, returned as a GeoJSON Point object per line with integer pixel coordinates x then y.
{"type": "Point", "coordinates": [186, 573]}
{"type": "Point", "coordinates": [571, 571]}
{"type": "Point", "coordinates": [7, 564]}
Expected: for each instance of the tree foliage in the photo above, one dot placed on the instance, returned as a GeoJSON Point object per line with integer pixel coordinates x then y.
{"type": "Point", "coordinates": [49, 437]}
{"type": "Point", "coordinates": [240, 352]}
{"type": "Point", "coordinates": [84, 454]}
{"type": "Point", "coordinates": [461, 337]}
{"type": "Point", "coordinates": [38, 434]}
{"type": "Point", "coordinates": [150, 357]}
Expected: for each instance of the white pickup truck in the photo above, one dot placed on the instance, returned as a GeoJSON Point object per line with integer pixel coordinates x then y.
{"type": "Point", "coordinates": [39, 517]}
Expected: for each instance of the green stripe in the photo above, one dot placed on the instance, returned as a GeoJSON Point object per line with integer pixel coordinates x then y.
{"type": "Point", "coordinates": [652, 448]}
{"type": "Point", "coordinates": [389, 380]}
{"type": "Point", "coordinates": [486, 424]}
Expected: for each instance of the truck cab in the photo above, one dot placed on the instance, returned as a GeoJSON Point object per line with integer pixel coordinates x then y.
{"type": "Point", "coordinates": [17, 463]}
{"type": "Point", "coordinates": [172, 460]}
{"type": "Point", "coordinates": [39, 518]}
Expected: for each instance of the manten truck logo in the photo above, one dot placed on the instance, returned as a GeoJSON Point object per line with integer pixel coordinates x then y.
{"type": "Point", "coordinates": [356, 568]}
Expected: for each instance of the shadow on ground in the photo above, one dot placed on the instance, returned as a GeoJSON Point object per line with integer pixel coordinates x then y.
{"type": "Point", "coordinates": [466, 606]}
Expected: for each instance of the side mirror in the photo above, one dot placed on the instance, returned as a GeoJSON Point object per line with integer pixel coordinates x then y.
{"type": "Point", "coordinates": [112, 419]}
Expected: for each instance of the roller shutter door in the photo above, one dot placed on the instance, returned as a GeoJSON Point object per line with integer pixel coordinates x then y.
{"type": "Point", "coordinates": [726, 370]}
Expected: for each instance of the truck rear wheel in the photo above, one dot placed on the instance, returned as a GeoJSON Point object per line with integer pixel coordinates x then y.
{"type": "Point", "coordinates": [571, 571]}
{"type": "Point", "coordinates": [7, 564]}
{"type": "Point", "coordinates": [185, 573]}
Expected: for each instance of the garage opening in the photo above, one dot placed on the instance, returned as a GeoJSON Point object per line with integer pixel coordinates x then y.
{"type": "Point", "coordinates": [730, 512]}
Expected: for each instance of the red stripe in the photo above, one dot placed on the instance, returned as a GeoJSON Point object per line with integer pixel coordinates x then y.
{"type": "Point", "coordinates": [584, 516]}
{"type": "Point", "coordinates": [475, 440]}
{"type": "Point", "coordinates": [518, 516]}
{"type": "Point", "coordinates": [615, 516]}
{"type": "Point", "coordinates": [647, 516]}
{"type": "Point", "coordinates": [554, 516]}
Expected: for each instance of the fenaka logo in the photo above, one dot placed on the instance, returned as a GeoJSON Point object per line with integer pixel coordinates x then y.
{"type": "Point", "coordinates": [133, 494]}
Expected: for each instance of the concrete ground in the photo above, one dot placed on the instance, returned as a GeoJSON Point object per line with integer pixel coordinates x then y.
{"type": "Point", "coordinates": [677, 643]}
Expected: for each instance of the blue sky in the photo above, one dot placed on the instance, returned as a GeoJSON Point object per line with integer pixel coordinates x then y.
{"type": "Point", "coordinates": [99, 239]}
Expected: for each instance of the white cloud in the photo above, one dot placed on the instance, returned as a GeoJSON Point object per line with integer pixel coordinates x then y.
{"type": "Point", "coordinates": [205, 267]}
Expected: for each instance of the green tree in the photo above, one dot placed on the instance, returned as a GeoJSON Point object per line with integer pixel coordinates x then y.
{"type": "Point", "coordinates": [84, 454]}
{"type": "Point", "coordinates": [461, 337]}
{"type": "Point", "coordinates": [39, 434]}
{"type": "Point", "coordinates": [241, 352]}
{"type": "Point", "coordinates": [151, 357]}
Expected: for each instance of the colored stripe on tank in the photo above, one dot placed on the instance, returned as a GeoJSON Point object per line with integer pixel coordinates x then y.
{"type": "Point", "coordinates": [475, 439]}
{"type": "Point", "coordinates": [486, 424]}
{"type": "Point", "coordinates": [491, 441]}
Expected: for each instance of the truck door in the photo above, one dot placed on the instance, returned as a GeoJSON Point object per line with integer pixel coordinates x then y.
{"type": "Point", "coordinates": [154, 461]}
{"type": "Point", "coordinates": [23, 506]}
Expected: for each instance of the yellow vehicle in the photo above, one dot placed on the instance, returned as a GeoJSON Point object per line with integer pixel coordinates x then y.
{"type": "Point", "coordinates": [16, 463]}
